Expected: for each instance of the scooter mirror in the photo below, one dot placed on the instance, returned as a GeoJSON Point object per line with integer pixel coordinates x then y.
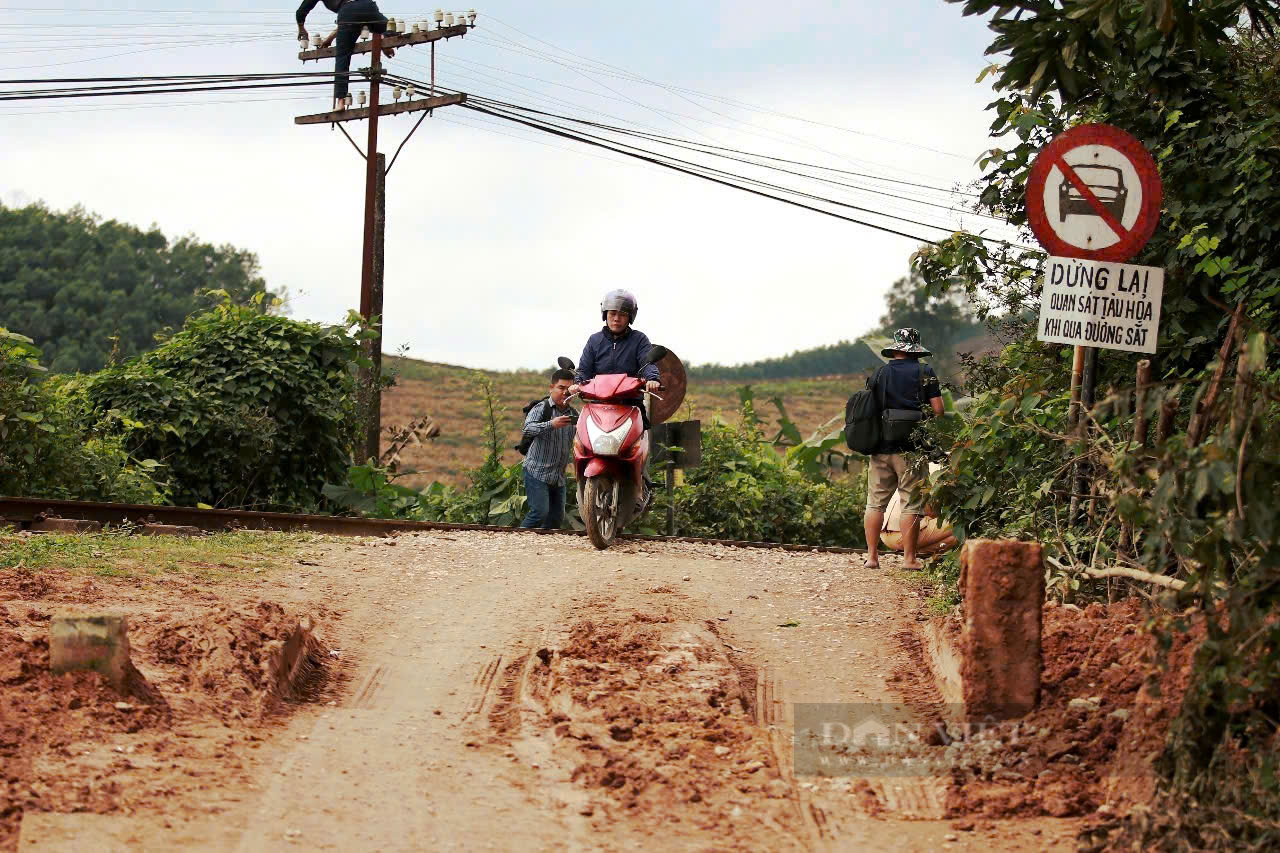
{"type": "Point", "coordinates": [656, 353]}
{"type": "Point", "coordinates": [566, 363]}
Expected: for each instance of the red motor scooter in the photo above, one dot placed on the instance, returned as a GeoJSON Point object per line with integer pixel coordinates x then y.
{"type": "Point", "coordinates": [610, 452]}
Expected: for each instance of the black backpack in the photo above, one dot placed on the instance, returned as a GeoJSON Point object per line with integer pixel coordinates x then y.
{"type": "Point", "coordinates": [525, 438]}
{"type": "Point", "coordinates": [863, 427]}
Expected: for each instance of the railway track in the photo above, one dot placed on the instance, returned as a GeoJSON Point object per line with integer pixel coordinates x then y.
{"type": "Point", "coordinates": [33, 513]}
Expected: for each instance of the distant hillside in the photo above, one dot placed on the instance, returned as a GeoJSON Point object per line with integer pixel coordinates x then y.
{"type": "Point", "coordinates": [448, 393]}
{"type": "Point", "coordinates": [845, 357]}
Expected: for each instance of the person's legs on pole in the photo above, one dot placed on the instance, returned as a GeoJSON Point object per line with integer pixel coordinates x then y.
{"type": "Point", "coordinates": [537, 493]}
{"type": "Point", "coordinates": [348, 32]}
{"type": "Point", "coordinates": [373, 20]}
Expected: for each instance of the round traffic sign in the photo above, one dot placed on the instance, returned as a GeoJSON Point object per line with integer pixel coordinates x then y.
{"type": "Point", "coordinates": [1094, 193]}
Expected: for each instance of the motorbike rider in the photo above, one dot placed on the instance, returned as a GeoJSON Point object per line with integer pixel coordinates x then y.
{"type": "Point", "coordinates": [619, 348]}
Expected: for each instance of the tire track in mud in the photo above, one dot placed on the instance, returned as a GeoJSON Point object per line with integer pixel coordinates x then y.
{"type": "Point", "coordinates": [635, 718]}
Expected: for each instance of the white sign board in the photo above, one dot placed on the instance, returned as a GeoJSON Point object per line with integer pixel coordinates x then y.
{"type": "Point", "coordinates": [1101, 304]}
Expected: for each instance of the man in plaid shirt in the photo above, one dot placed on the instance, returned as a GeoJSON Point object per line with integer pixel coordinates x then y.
{"type": "Point", "coordinates": [550, 425]}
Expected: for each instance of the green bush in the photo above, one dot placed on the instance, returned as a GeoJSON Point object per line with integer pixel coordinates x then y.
{"type": "Point", "coordinates": [47, 451]}
{"type": "Point", "coordinates": [243, 409]}
{"type": "Point", "coordinates": [744, 489]}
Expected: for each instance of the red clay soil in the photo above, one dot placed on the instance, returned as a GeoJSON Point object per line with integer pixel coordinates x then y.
{"type": "Point", "coordinates": [1089, 746]}
{"type": "Point", "coordinates": [71, 743]}
{"type": "Point", "coordinates": [653, 722]}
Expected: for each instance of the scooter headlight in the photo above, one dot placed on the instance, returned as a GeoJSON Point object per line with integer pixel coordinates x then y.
{"type": "Point", "coordinates": [607, 443]}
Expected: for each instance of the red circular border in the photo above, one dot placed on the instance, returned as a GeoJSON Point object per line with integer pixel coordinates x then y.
{"type": "Point", "coordinates": [1148, 178]}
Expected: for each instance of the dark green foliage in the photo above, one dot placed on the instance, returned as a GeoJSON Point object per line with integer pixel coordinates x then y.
{"type": "Point", "coordinates": [1199, 84]}
{"type": "Point", "coordinates": [83, 288]}
{"type": "Point", "coordinates": [243, 409]}
{"type": "Point", "coordinates": [46, 448]}
{"type": "Point", "coordinates": [1211, 118]}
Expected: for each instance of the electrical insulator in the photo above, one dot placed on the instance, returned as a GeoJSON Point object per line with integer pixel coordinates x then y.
{"type": "Point", "coordinates": [315, 41]}
{"type": "Point", "coordinates": [346, 102]}
{"type": "Point", "coordinates": [438, 16]}
{"type": "Point", "coordinates": [448, 19]}
{"type": "Point", "coordinates": [471, 17]}
{"type": "Point", "coordinates": [395, 93]}
{"type": "Point", "coordinates": [409, 92]}
{"type": "Point", "coordinates": [426, 26]}
{"type": "Point", "coordinates": [360, 98]}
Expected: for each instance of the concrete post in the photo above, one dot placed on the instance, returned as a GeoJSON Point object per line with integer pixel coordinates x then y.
{"type": "Point", "coordinates": [99, 643]}
{"type": "Point", "coordinates": [1003, 587]}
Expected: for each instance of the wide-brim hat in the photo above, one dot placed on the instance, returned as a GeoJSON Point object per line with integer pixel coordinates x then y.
{"type": "Point", "coordinates": [906, 341]}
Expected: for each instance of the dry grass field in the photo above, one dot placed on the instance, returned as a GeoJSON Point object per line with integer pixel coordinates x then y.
{"type": "Point", "coordinates": [451, 396]}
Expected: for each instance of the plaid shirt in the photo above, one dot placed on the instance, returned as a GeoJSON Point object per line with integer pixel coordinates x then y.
{"type": "Point", "coordinates": [552, 447]}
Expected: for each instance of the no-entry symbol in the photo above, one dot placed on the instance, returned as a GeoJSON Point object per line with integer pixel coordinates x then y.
{"type": "Point", "coordinates": [1094, 193]}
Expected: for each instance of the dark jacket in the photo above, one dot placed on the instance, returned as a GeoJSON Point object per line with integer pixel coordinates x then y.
{"type": "Point", "coordinates": [609, 353]}
{"type": "Point", "coordinates": [905, 383]}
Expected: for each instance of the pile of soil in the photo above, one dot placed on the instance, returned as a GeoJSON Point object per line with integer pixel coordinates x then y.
{"type": "Point", "coordinates": [224, 653]}
{"type": "Point", "coordinates": [652, 720]}
{"type": "Point", "coordinates": [1105, 709]}
{"type": "Point", "coordinates": [71, 743]}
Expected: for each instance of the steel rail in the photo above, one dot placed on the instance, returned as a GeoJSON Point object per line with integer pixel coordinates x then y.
{"type": "Point", "coordinates": [23, 511]}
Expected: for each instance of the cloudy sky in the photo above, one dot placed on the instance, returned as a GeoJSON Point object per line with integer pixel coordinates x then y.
{"type": "Point", "coordinates": [501, 241]}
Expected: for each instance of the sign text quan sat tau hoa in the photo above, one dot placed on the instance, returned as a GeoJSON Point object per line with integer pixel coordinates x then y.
{"type": "Point", "coordinates": [1101, 304]}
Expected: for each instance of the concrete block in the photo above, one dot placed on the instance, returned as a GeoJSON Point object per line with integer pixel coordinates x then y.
{"type": "Point", "coordinates": [170, 530]}
{"type": "Point", "coordinates": [93, 642]}
{"type": "Point", "coordinates": [1003, 587]}
{"type": "Point", "coordinates": [942, 638]}
{"type": "Point", "coordinates": [65, 525]}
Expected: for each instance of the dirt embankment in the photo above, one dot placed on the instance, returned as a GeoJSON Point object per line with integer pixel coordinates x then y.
{"type": "Point", "coordinates": [70, 743]}
{"type": "Point", "coordinates": [1105, 707]}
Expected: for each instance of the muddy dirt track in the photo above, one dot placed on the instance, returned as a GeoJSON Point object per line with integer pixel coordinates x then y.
{"type": "Point", "coordinates": [490, 691]}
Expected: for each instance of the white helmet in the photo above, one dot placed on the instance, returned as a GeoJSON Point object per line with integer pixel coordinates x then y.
{"type": "Point", "coordinates": [619, 300]}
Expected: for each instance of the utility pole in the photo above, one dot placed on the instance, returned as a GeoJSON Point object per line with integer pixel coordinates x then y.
{"type": "Point", "coordinates": [373, 382]}
{"type": "Point", "coordinates": [376, 169]}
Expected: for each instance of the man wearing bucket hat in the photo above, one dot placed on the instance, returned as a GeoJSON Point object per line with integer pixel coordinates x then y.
{"type": "Point", "coordinates": [908, 392]}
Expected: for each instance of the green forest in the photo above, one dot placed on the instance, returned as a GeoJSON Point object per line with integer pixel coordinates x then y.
{"type": "Point", "coordinates": [85, 289]}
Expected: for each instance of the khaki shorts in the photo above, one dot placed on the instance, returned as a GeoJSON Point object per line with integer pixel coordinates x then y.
{"type": "Point", "coordinates": [889, 471]}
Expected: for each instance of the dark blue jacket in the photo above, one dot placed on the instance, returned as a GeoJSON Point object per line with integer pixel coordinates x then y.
{"type": "Point", "coordinates": [609, 353]}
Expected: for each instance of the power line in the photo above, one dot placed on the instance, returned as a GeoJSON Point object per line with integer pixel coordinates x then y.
{"type": "Point", "coordinates": [686, 144]}
{"type": "Point", "coordinates": [659, 162]}
{"type": "Point", "coordinates": [693, 145]}
{"type": "Point", "coordinates": [754, 181]}
{"type": "Point", "coordinates": [728, 101]}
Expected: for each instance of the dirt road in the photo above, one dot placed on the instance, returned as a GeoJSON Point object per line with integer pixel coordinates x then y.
{"type": "Point", "coordinates": [501, 692]}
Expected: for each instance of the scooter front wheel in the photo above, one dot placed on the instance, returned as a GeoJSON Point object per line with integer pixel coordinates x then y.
{"type": "Point", "coordinates": [601, 510]}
